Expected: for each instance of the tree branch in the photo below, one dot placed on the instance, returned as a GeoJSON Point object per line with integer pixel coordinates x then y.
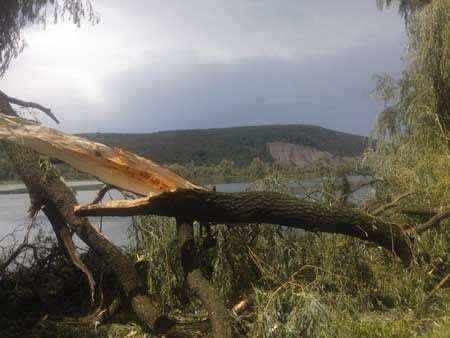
{"type": "Point", "coordinates": [210, 298]}
{"type": "Point", "coordinates": [391, 204]}
{"type": "Point", "coordinates": [114, 166]}
{"type": "Point", "coordinates": [48, 187]}
{"type": "Point", "coordinates": [34, 105]}
{"type": "Point", "coordinates": [171, 195]}
{"type": "Point", "coordinates": [101, 193]}
{"type": "Point", "coordinates": [21, 248]}
{"type": "Point", "coordinates": [433, 221]}
{"type": "Point", "coordinates": [261, 207]}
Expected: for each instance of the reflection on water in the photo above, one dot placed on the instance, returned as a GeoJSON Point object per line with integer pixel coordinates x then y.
{"type": "Point", "coordinates": [15, 206]}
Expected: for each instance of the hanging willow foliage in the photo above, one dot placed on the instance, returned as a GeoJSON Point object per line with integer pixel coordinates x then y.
{"type": "Point", "coordinates": [15, 15]}
{"type": "Point", "coordinates": [405, 7]}
{"type": "Point", "coordinates": [413, 133]}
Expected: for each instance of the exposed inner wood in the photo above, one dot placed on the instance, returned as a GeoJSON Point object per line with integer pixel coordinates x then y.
{"type": "Point", "coordinates": [114, 166]}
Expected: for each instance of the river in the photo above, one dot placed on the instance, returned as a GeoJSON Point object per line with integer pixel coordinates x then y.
{"type": "Point", "coordinates": [15, 203]}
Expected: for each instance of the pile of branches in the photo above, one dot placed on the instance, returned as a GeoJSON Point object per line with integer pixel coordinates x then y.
{"type": "Point", "coordinates": [158, 191]}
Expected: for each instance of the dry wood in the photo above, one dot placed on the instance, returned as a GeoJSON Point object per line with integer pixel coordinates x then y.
{"type": "Point", "coordinates": [114, 166]}
{"type": "Point", "coordinates": [47, 189]}
{"type": "Point", "coordinates": [170, 195]}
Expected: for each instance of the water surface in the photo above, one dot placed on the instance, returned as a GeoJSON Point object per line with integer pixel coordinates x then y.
{"type": "Point", "coordinates": [15, 203]}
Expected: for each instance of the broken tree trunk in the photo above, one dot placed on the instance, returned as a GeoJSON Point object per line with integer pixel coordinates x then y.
{"type": "Point", "coordinates": [262, 207]}
{"type": "Point", "coordinates": [46, 189]}
{"type": "Point", "coordinates": [210, 298]}
{"type": "Point", "coordinates": [114, 166]}
{"type": "Point", "coordinates": [170, 195]}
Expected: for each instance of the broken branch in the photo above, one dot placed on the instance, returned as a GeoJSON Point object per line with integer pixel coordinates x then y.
{"type": "Point", "coordinates": [391, 204]}
{"type": "Point", "coordinates": [114, 166]}
{"type": "Point", "coordinates": [209, 296]}
{"type": "Point", "coordinates": [261, 207]}
{"type": "Point", "coordinates": [433, 221]}
{"type": "Point", "coordinates": [28, 104]}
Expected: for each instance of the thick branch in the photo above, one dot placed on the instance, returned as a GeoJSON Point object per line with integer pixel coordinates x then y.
{"type": "Point", "coordinates": [65, 241]}
{"type": "Point", "coordinates": [210, 298]}
{"type": "Point", "coordinates": [171, 195]}
{"type": "Point", "coordinates": [47, 187]}
{"type": "Point", "coordinates": [261, 207]}
{"type": "Point", "coordinates": [114, 166]}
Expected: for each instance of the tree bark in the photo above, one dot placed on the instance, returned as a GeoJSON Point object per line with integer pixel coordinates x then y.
{"type": "Point", "coordinates": [262, 207]}
{"type": "Point", "coordinates": [46, 189]}
{"type": "Point", "coordinates": [171, 195]}
{"type": "Point", "coordinates": [210, 298]}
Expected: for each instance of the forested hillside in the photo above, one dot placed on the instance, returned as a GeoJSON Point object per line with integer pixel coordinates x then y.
{"type": "Point", "coordinates": [240, 144]}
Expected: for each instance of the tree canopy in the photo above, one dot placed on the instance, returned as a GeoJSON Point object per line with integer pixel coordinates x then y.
{"type": "Point", "coordinates": [405, 7]}
{"type": "Point", "coordinates": [15, 15]}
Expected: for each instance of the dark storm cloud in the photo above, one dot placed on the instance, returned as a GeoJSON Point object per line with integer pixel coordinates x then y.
{"type": "Point", "coordinates": [155, 65]}
{"type": "Point", "coordinates": [328, 91]}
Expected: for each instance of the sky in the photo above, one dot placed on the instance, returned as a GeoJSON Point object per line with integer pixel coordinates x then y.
{"type": "Point", "coordinates": [174, 64]}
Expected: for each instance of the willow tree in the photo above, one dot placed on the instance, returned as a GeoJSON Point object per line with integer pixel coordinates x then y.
{"type": "Point", "coordinates": [413, 132]}
{"type": "Point", "coordinates": [405, 7]}
{"type": "Point", "coordinates": [412, 152]}
{"type": "Point", "coordinates": [15, 15]}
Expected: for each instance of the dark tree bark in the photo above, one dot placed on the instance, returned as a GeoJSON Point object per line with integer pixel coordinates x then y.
{"type": "Point", "coordinates": [210, 298]}
{"type": "Point", "coordinates": [46, 189]}
{"type": "Point", "coordinates": [262, 207]}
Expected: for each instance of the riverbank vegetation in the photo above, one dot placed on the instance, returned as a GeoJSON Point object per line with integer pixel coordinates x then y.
{"type": "Point", "coordinates": [279, 282]}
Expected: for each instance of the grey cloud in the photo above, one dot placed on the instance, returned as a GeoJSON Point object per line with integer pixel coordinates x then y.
{"type": "Point", "coordinates": [328, 91]}
{"type": "Point", "coordinates": [171, 64]}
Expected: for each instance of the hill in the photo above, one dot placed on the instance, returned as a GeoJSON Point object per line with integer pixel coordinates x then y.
{"type": "Point", "coordinates": [238, 144]}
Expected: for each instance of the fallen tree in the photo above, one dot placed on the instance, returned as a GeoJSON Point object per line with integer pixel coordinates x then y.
{"type": "Point", "coordinates": [168, 194]}
{"type": "Point", "coordinates": [261, 207]}
{"type": "Point", "coordinates": [49, 193]}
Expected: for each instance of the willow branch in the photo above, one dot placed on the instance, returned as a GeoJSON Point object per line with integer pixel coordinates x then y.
{"type": "Point", "coordinates": [429, 212]}
{"type": "Point", "coordinates": [21, 248]}
{"type": "Point", "coordinates": [363, 185]}
{"type": "Point", "coordinates": [261, 207]}
{"type": "Point", "coordinates": [392, 204]}
{"type": "Point", "coordinates": [433, 221]}
{"type": "Point", "coordinates": [28, 104]}
{"type": "Point", "coordinates": [101, 193]}
{"type": "Point", "coordinates": [65, 241]}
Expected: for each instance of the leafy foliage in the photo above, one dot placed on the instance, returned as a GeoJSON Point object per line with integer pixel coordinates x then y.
{"type": "Point", "coordinates": [239, 145]}
{"type": "Point", "coordinates": [15, 15]}
{"type": "Point", "coordinates": [310, 285]}
{"type": "Point", "coordinates": [405, 7]}
{"type": "Point", "coordinates": [413, 134]}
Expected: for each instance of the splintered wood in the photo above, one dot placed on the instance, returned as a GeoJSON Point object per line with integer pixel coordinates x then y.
{"type": "Point", "coordinates": [168, 194]}
{"type": "Point", "coordinates": [117, 167]}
